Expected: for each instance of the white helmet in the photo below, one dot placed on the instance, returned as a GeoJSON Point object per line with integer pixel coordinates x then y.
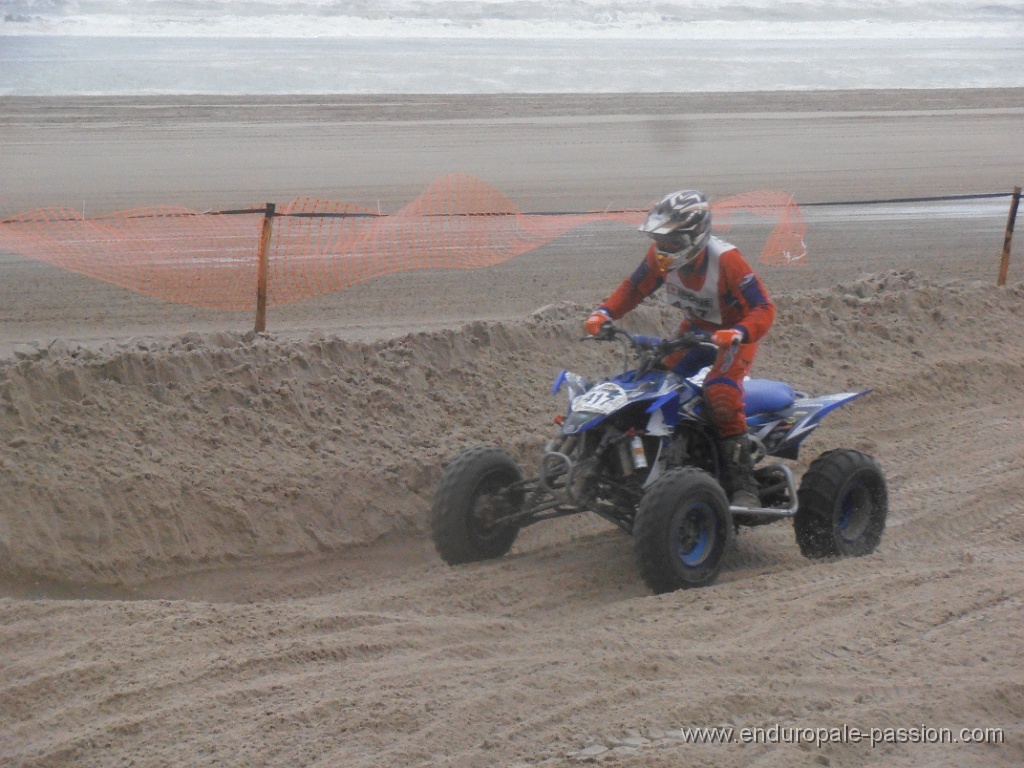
{"type": "Point", "coordinates": [680, 225]}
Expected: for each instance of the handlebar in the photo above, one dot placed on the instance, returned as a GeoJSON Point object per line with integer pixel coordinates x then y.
{"type": "Point", "coordinates": [650, 351]}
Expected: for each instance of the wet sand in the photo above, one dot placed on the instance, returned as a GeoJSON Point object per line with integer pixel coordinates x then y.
{"type": "Point", "coordinates": [546, 153]}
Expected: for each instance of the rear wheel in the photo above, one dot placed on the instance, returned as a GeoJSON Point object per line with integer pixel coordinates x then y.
{"type": "Point", "coordinates": [466, 519]}
{"type": "Point", "coordinates": [843, 504]}
{"type": "Point", "coordinates": [682, 531]}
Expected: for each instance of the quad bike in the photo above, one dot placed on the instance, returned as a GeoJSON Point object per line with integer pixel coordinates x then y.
{"type": "Point", "coordinates": [639, 450]}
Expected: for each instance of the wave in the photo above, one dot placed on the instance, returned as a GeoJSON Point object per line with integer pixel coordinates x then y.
{"type": "Point", "coordinates": [686, 19]}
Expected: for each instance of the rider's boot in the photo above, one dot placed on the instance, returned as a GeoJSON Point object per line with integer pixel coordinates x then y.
{"type": "Point", "coordinates": [738, 471]}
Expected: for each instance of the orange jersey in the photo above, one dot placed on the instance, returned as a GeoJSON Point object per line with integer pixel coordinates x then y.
{"type": "Point", "coordinates": [720, 291]}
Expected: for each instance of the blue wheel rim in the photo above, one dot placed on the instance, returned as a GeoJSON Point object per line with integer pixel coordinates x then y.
{"type": "Point", "coordinates": [845, 513]}
{"type": "Point", "coordinates": [695, 530]}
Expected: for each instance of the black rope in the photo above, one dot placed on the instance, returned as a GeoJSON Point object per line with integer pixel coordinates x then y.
{"type": "Point", "coordinates": [979, 196]}
{"type": "Point", "coordinates": [816, 204]}
{"type": "Point", "coordinates": [371, 215]}
{"type": "Point", "coordinates": [480, 214]}
{"type": "Point", "coordinates": [232, 213]}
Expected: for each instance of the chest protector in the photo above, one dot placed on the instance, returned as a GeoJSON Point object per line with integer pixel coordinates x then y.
{"type": "Point", "coordinates": [704, 302]}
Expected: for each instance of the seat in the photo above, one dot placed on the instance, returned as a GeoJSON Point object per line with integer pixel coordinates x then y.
{"type": "Point", "coordinates": [766, 396]}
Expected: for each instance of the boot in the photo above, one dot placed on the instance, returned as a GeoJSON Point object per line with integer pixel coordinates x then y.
{"type": "Point", "coordinates": [738, 472]}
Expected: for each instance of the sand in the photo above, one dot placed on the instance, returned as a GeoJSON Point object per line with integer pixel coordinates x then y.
{"type": "Point", "coordinates": [212, 542]}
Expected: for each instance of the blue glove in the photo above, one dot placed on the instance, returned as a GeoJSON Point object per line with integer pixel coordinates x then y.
{"type": "Point", "coordinates": [647, 342]}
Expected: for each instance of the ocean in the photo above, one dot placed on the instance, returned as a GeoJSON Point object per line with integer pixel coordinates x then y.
{"type": "Point", "coordinates": [231, 47]}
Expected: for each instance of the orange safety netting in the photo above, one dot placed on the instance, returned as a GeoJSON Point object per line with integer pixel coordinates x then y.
{"type": "Point", "coordinates": [785, 245]}
{"type": "Point", "coordinates": [319, 246]}
{"type": "Point", "coordinates": [170, 253]}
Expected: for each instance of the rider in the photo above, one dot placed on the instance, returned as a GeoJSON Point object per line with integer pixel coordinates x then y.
{"type": "Point", "coordinates": [712, 283]}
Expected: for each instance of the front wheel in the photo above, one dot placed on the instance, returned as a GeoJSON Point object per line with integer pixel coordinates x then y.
{"type": "Point", "coordinates": [843, 504]}
{"type": "Point", "coordinates": [682, 530]}
{"type": "Point", "coordinates": [466, 519]}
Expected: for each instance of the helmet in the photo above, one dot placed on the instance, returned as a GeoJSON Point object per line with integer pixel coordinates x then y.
{"type": "Point", "coordinates": [680, 225]}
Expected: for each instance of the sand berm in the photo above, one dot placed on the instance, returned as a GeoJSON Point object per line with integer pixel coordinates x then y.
{"type": "Point", "coordinates": [144, 458]}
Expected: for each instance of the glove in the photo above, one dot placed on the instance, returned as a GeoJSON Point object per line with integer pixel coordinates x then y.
{"type": "Point", "coordinates": [648, 342]}
{"type": "Point", "coordinates": [727, 337]}
{"type": "Point", "coordinates": [596, 320]}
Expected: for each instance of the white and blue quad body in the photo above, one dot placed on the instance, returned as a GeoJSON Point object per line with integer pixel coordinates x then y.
{"type": "Point", "coordinates": [640, 450]}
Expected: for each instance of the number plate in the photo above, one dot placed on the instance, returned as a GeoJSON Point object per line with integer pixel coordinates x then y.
{"type": "Point", "coordinates": [604, 398]}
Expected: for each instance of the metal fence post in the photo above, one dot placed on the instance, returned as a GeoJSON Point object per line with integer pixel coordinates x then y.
{"type": "Point", "coordinates": [263, 268]}
{"type": "Point", "coordinates": [1004, 265]}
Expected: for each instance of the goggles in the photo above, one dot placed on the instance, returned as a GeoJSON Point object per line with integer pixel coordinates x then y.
{"type": "Point", "coordinates": [673, 253]}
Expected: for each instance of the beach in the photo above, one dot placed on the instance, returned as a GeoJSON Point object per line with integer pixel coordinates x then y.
{"type": "Point", "coordinates": [213, 545]}
{"type": "Point", "coordinates": [566, 153]}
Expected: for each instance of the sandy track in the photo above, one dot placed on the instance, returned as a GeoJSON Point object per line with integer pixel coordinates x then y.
{"type": "Point", "coordinates": [381, 655]}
